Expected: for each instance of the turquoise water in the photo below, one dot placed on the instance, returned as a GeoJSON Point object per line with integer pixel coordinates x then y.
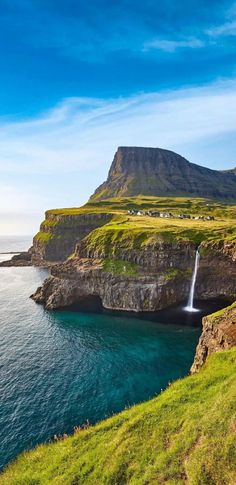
{"type": "Point", "coordinates": [58, 370]}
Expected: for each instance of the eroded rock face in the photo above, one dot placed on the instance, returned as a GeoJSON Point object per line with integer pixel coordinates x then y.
{"type": "Point", "coordinates": [163, 277]}
{"type": "Point", "coordinates": [219, 333]}
{"type": "Point", "coordinates": [59, 233]}
{"type": "Point", "coordinates": [139, 294]}
{"type": "Point", "coordinates": [217, 270]}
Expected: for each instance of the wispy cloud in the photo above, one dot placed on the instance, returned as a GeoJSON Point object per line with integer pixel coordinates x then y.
{"type": "Point", "coordinates": [58, 158]}
{"type": "Point", "coordinates": [226, 29]}
{"type": "Point", "coordinates": [173, 45]}
{"type": "Point", "coordinates": [228, 25]}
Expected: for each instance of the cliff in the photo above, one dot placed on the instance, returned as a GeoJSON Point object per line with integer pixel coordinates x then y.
{"type": "Point", "coordinates": [127, 266]}
{"type": "Point", "coordinates": [60, 231]}
{"type": "Point", "coordinates": [158, 172]}
{"type": "Point", "coordinates": [218, 334]}
{"type": "Point", "coordinates": [143, 263]}
{"type": "Point", "coordinates": [63, 228]}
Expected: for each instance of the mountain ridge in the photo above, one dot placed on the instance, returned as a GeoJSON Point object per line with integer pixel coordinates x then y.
{"type": "Point", "coordinates": [161, 172]}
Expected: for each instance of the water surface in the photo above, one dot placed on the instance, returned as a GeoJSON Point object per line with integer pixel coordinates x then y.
{"type": "Point", "coordinates": [59, 369]}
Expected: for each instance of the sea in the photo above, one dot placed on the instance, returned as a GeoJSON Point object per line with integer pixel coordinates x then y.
{"type": "Point", "coordinates": [63, 369]}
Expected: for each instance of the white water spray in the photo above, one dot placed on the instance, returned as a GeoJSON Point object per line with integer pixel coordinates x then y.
{"type": "Point", "coordinates": [190, 307]}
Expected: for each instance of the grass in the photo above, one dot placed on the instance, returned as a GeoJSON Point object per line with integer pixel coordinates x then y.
{"type": "Point", "coordinates": [120, 267]}
{"type": "Point", "coordinates": [174, 272]}
{"type": "Point", "coordinates": [197, 231]}
{"type": "Point", "coordinates": [44, 237]}
{"type": "Point", "coordinates": [136, 232]}
{"type": "Point", "coordinates": [222, 311]}
{"type": "Point", "coordinates": [177, 205]}
{"type": "Point", "coordinates": [185, 435]}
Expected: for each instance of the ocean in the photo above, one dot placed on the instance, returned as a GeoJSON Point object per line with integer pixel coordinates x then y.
{"type": "Point", "coordinates": [61, 369]}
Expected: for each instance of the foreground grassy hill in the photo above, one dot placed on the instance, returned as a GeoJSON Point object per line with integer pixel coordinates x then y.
{"type": "Point", "coordinates": [185, 435]}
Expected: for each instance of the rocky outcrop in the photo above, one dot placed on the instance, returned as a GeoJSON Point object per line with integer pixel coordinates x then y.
{"type": "Point", "coordinates": [217, 271]}
{"type": "Point", "coordinates": [116, 292]}
{"type": "Point", "coordinates": [158, 172]}
{"type": "Point", "coordinates": [159, 271]}
{"type": "Point", "coordinates": [21, 259]}
{"type": "Point", "coordinates": [161, 278]}
{"type": "Point", "coordinates": [59, 233]}
{"type": "Point", "coordinates": [219, 333]}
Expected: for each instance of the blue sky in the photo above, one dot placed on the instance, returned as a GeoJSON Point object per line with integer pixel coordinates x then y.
{"type": "Point", "coordinates": [78, 79]}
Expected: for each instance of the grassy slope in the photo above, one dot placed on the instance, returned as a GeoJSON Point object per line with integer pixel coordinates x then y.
{"type": "Point", "coordinates": [185, 435]}
{"type": "Point", "coordinates": [138, 230]}
{"type": "Point", "coordinates": [176, 204]}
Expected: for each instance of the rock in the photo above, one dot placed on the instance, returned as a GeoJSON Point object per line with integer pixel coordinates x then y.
{"type": "Point", "coordinates": [158, 172]}
{"type": "Point", "coordinates": [163, 275]}
{"type": "Point", "coordinates": [21, 259]}
{"type": "Point", "coordinates": [59, 233]}
{"type": "Point", "coordinates": [219, 333]}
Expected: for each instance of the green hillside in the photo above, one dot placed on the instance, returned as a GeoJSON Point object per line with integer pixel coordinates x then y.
{"type": "Point", "coordinates": [122, 225]}
{"type": "Point", "coordinates": [185, 435]}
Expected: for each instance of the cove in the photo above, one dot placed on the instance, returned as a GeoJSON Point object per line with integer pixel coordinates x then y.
{"type": "Point", "coordinates": [60, 369]}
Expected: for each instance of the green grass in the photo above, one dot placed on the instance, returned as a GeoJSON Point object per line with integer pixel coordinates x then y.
{"type": "Point", "coordinates": [222, 311]}
{"type": "Point", "coordinates": [194, 206]}
{"type": "Point", "coordinates": [185, 435]}
{"type": "Point", "coordinates": [174, 272]}
{"type": "Point", "coordinates": [120, 267]}
{"type": "Point", "coordinates": [142, 230]}
{"type": "Point", "coordinates": [43, 237]}
{"type": "Point", "coordinates": [138, 232]}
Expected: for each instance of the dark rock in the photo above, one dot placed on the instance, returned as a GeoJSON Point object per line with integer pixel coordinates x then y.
{"type": "Point", "coordinates": [21, 259]}
{"type": "Point", "coordinates": [158, 172]}
{"type": "Point", "coordinates": [163, 277]}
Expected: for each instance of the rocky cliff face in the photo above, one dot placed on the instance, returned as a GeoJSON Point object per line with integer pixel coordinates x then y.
{"type": "Point", "coordinates": [159, 276]}
{"type": "Point", "coordinates": [145, 281]}
{"type": "Point", "coordinates": [158, 172]}
{"type": "Point", "coordinates": [219, 333]}
{"type": "Point", "coordinates": [59, 233]}
{"type": "Point", "coordinates": [217, 271]}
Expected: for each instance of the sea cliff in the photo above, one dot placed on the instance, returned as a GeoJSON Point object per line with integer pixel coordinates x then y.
{"type": "Point", "coordinates": [147, 278]}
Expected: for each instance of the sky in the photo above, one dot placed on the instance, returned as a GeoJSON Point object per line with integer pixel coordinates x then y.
{"type": "Point", "coordinates": [78, 79]}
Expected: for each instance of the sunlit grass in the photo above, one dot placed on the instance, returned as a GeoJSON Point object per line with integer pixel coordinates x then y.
{"type": "Point", "coordinates": [185, 435]}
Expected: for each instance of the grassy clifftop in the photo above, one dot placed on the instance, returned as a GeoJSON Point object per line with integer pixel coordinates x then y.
{"type": "Point", "coordinates": [185, 435]}
{"type": "Point", "coordinates": [143, 229]}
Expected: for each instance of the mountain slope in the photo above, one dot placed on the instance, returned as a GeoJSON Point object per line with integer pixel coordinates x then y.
{"type": "Point", "coordinates": [231, 170]}
{"type": "Point", "coordinates": [159, 172]}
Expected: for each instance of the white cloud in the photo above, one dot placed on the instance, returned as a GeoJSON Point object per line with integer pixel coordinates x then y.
{"type": "Point", "coordinates": [226, 29]}
{"type": "Point", "coordinates": [58, 158]}
{"type": "Point", "coordinates": [173, 45]}
{"type": "Point", "coordinates": [80, 134]}
{"type": "Point", "coordinates": [228, 26]}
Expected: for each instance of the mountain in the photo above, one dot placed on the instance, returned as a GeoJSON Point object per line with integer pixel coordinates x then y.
{"type": "Point", "coordinates": [231, 170]}
{"type": "Point", "coordinates": [159, 172]}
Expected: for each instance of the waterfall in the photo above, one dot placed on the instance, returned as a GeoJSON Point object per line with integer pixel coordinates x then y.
{"type": "Point", "coordinates": [190, 307]}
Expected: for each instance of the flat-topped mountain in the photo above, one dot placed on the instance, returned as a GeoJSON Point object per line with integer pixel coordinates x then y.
{"type": "Point", "coordinates": [159, 172]}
